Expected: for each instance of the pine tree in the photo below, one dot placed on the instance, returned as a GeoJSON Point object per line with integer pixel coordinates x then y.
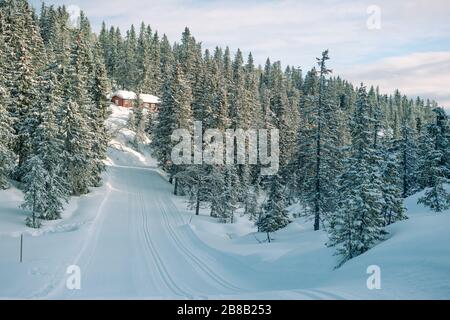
{"type": "Point", "coordinates": [6, 138]}
{"type": "Point", "coordinates": [155, 58]}
{"type": "Point", "coordinates": [34, 191]}
{"type": "Point", "coordinates": [25, 50]}
{"type": "Point", "coordinates": [392, 208]}
{"type": "Point", "coordinates": [240, 112]}
{"type": "Point", "coordinates": [77, 120]}
{"type": "Point", "coordinates": [229, 197]}
{"type": "Point", "coordinates": [275, 216]}
{"type": "Point", "coordinates": [137, 121]}
{"type": "Point", "coordinates": [435, 170]}
{"type": "Point", "coordinates": [47, 148]}
{"type": "Point", "coordinates": [77, 152]}
{"type": "Point", "coordinates": [318, 155]}
{"type": "Point", "coordinates": [99, 114]}
{"type": "Point", "coordinates": [425, 161]}
{"type": "Point", "coordinates": [176, 113]}
{"type": "Point", "coordinates": [130, 76]}
{"type": "Point", "coordinates": [196, 182]}
{"type": "Point", "coordinates": [6, 131]}
{"type": "Point", "coordinates": [406, 145]}
{"type": "Point", "coordinates": [358, 224]}
{"type": "Point", "coordinates": [144, 63]}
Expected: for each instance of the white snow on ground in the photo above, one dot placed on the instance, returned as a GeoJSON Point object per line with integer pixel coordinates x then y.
{"type": "Point", "coordinates": [133, 239]}
{"type": "Point", "coordinates": [121, 151]}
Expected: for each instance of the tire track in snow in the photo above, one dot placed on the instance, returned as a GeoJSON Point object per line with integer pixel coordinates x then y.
{"type": "Point", "coordinates": [328, 295]}
{"type": "Point", "coordinates": [191, 256]}
{"type": "Point", "coordinates": [58, 284]}
{"type": "Point", "coordinates": [163, 272]}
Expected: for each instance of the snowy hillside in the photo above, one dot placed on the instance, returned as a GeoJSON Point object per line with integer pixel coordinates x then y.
{"type": "Point", "coordinates": [121, 150]}
{"type": "Point", "coordinates": [132, 238]}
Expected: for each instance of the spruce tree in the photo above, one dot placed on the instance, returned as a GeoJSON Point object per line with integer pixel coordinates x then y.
{"type": "Point", "coordinates": [275, 216]}
{"type": "Point", "coordinates": [6, 130]}
{"type": "Point", "coordinates": [358, 223]}
{"type": "Point", "coordinates": [176, 113]}
{"type": "Point", "coordinates": [47, 148]}
{"type": "Point", "coordinates": [6, 138]}
{"type": "Point", "coordinates": [35, 191]}
{"type": "Point", "coordinates": [99, 114]}
{"type": "Point", "coordinates": [435, 170]}
{"type": "Point", "coordinates": [318, 153]}
{"type": "Point", "coordinates": [392, 208]}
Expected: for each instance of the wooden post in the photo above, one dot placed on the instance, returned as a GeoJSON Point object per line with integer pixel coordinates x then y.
{"type": "Point", "coordinates": [21, 248]}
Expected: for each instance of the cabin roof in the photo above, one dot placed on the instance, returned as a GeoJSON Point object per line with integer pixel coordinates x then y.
{"type": "Point", "coordinates": [130, 95]}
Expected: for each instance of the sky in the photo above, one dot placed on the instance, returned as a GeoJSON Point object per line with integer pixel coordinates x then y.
{"type": "Point", "coordinates": [402, 44]}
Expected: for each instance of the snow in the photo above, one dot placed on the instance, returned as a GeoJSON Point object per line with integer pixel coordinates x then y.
{"type": "Point", "coordinates": [133, 239]}
{"type": "Point", "coordinates": [148, 98]}
{"type": "Point", "coordinates": [121, 151]}
{"type": "Point", "coordinates": [130, 95]}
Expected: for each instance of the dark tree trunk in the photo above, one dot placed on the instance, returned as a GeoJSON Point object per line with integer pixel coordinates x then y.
{"type": "Point", "coordinates": [175, 191]}
{"type": "Point", "coordinates": [197, 206]}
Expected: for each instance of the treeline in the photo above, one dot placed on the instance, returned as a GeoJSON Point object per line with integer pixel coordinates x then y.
{"type": "Point", "coordinates": [53, 106]}
{"type": "Point", "coordinates": [349, 155]}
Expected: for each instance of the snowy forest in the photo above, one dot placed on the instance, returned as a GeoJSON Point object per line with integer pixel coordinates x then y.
{"type": "Point", "coordinates": [349, 154]}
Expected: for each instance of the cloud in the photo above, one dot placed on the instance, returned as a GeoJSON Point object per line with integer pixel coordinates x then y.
{"type": "Point", "coordinates": [297, 30]}
{"type": "Point", "coordinates": [293, 31]}
{"type": "Point", "coordinates": [425, 74]}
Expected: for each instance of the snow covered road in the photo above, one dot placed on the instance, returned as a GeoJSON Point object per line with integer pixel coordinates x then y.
{"type": "Point", "coordinates": [141, 246]}
{"type": "Point", "coordinates": [131, 239]}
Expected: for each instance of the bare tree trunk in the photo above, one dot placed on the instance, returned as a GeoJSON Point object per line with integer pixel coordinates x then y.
{"type": "Point", "coordinates": [197, 206]}
{"type": "Point", "coordinates": [175, 191]}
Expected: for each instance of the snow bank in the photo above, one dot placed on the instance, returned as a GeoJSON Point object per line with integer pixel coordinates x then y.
{"type": "Point", "coordinates": [414, 260]}
{"type": "Point", "coordinates": [122, 150]}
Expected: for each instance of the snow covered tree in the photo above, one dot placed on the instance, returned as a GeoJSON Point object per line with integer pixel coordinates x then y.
{"type": "Point", "coordinates": [6, 131]}
{"type": "Point", "coordinates": [130, 76]}
{"type": "Point", "coordinates": [155, 58]}
{"type": "Point", "coordinates": [318, 148]}
{"type": "Point", "coordinates": [6, 138]}
{"type": "Point", "coordinates": [358, 224]}
{"type": "Point", "coordinates": [392, 208]}
{"type": "Point", "coordinates": [426, 147]}
{"type": "Point", "coordinates": [437, 197]}
{"type": "Point", "coordinates": [147, 59]}
{"type": "Point", "coordinates": [78, 119]}
{"type": "Point", "coordinates": [137, 121]}
{"type": "Point", "coordinates": [406, 145]}
{"type": "Point", "coordinates": [226, 200]}
{"type": "Point", "coordinates": [48, 148]}
{"type": "Point", "coordinates": [176, 113]}
{"type": "Point", "coordinates": [34, 191]}
{"type": "Point", "coordinates": [99, 114]}
{"type": "Point", "coordinates": [25, 54]}
{"type": "Point", "coordinates": [435, 167]}
{"type": "Point", "coordinates": [196, 182]}
{"type": "Point", "coordinates": [274, 216]}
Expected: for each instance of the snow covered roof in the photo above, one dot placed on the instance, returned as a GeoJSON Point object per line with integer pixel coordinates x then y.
{"type": "Point", "coordinates": [149, 98]}
{"type": "Point", "coordinates": [127, 95]}
{"type": "Point", "coordinates": [130, 95]}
